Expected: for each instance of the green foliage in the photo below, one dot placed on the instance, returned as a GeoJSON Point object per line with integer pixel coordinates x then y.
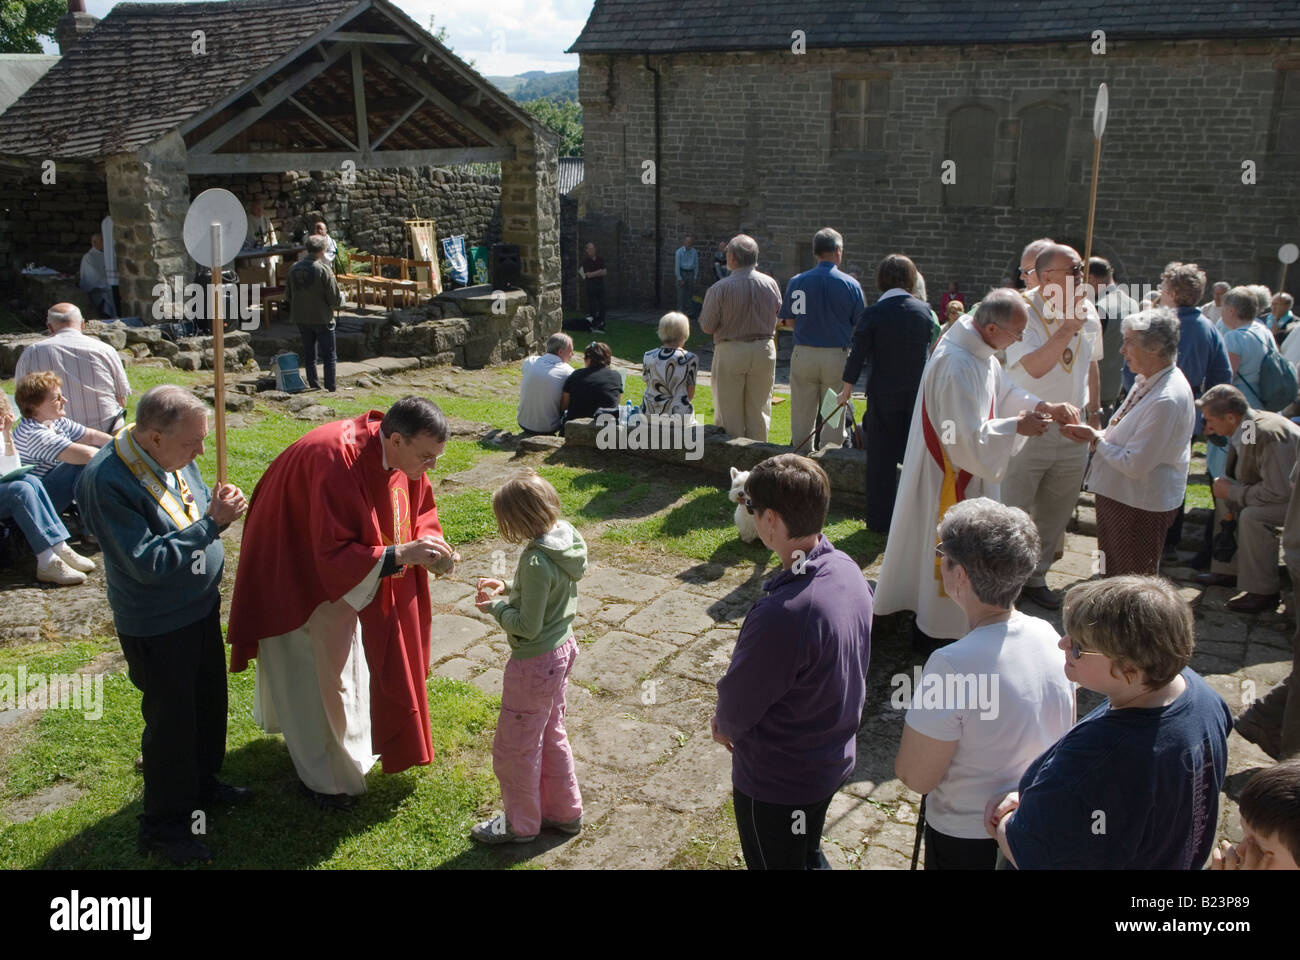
{"type": "Point", "coordinates": [23, 22]}
{"type": "Point", "coordinates": [560, 87]}
{"type": "Point", "coordinates": [565, 118]}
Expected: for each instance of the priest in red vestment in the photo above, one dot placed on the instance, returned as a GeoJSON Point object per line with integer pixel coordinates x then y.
{"type": "Point", "coordinates": [332, 596]}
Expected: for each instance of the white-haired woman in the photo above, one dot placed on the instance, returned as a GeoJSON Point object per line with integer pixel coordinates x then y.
{"type": "Point", "coordinates": [670, 371]}
{"type": "Point", "coordinates": [991, 702]}
{"type": "Point", "coordinates": [1139, 467]}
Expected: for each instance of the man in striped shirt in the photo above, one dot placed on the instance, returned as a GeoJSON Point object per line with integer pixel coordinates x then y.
{"type": "Point", "coordinates": [94, 381]}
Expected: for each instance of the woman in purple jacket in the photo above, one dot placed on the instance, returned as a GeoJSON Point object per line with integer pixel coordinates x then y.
{"type": "Point", "coordinates": [791, 701]}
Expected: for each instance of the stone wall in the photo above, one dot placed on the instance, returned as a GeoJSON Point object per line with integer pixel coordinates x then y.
{"type": "Point", "coordinates": [746, 144]}
{"type": "Point", "coordinates": [49, 224]}
{"type": "Point", "coordinates": [530, 207]}
{"type": "Point", "coordinates": [370, 214]}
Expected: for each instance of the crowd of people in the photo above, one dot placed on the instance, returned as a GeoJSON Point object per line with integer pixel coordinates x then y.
{"type": "Point", "coordinates": [1007, 417]}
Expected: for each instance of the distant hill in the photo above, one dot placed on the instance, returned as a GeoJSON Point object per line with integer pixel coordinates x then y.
{"type": "Point", "coordinates": [535, 84]}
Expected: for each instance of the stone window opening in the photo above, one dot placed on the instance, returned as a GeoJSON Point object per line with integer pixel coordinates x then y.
{"type": "Point", "coordinates": [859, 106]}
{"type": "Point", "coordinates": [972, 132]}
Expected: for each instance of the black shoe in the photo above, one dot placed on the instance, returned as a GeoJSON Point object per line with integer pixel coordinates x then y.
{"type": "Point", "coordinates": [180, 849]}
{"type": "Point", "coordinates": [1042, 596]}
{"type": "Point", "coordinates": [224, 795]}
{"type": "Point", "coordinates": [1216, 579]}
{"type": "Point", "coordinates": [328, 801]}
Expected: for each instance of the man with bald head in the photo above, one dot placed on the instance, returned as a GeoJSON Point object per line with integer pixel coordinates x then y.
{"type": "Point", "coordinates": [1029, 260]}
{"type": "Point", "coordinates": [94, 381]}
{"type": "Point", "coordinates": [1214, 309]}
{"type": "Point", "coordinates": [740, 311]}
{"type": "Point", "coordinates": [968, 421]}
{"type": "Point", "coordinates": [1056, 360]}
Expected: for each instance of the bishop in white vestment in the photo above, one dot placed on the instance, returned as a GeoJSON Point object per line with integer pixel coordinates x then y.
{"type": "Point", "coordinates": [969, 420]}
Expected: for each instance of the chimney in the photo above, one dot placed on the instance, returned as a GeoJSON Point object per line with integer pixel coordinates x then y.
{"type": "Point", "coordinates": [72, 26]}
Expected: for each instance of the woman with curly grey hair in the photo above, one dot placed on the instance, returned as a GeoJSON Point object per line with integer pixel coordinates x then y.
{"type": "Point", "coordinates": [1139, 467]}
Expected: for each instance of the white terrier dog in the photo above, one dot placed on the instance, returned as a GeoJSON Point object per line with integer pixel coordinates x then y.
{"type": "Point", "coordinates": [744, 519]}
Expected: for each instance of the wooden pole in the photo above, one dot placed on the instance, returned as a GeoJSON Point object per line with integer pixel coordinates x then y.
{"type": "Point", "coordinates": [1092, 204]}
{"type": "Point", "coordinates": [218, 353]}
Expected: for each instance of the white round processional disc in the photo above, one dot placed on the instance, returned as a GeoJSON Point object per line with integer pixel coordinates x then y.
{"type": "Point", "coordinates": [215, 206]}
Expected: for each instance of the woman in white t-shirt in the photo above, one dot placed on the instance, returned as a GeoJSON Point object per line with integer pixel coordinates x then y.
{"type": "Point", "coordinates": [990, 703]}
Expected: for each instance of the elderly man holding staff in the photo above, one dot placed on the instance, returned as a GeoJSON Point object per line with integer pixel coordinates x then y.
{"type": "Point", "coordinates": [160, 529]}
{"type": "Point", "coordinates": [1139, 466]}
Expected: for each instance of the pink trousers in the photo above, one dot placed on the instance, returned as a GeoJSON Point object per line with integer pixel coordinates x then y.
{"type": "Point", "coordinates": [530, 754]}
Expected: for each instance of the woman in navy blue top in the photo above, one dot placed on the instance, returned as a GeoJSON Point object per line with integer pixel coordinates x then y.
{"type": "Point", "coordinates": [1135, 784]}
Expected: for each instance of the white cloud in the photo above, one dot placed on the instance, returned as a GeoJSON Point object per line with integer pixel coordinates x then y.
{"type": "Point", "coordinates": [503, 37]}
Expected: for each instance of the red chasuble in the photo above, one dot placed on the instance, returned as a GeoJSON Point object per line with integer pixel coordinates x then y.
{"type": "Point", "coordinates": [318, 522]}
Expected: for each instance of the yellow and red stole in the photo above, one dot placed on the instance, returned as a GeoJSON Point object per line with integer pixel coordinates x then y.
{"type": "Point", "coordinates": [953, 489]}
{"type": "Point", "coordinates": [182, 511]}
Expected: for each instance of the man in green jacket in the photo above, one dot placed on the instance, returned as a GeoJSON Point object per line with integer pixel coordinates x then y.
{"type": "Point", "coordinates": [312, 295]}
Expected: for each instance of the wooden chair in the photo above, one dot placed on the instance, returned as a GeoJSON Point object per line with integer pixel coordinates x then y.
{"type": "Point", "coordinates": [355, 280]}
{"type": "Point", "coordinates": [413, 268]}
{"type": "Point", "coordinates": [380, 282]}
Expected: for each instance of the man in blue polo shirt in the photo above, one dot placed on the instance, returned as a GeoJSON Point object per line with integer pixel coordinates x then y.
{"type": "Point", "coordinates": [822, 305]}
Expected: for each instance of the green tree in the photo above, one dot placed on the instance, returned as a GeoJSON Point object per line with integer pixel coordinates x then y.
{"type": "Point", "coordinates": [23, 22]}
{"type": "Point", "coordinates": [564, 117]}
{"type": "Point", "coordinates": [442, 36]}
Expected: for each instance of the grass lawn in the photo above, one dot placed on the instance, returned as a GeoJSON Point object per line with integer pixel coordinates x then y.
{"type": "Point", "coordinates": [416, 819]}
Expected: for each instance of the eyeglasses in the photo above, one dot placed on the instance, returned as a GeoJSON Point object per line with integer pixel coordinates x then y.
{"type": "Point", "coordinates": [1080, 653]}
{"type": "Point", "coordinates": [938, 549]}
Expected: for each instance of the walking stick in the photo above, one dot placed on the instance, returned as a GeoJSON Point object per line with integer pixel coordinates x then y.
{"type": "Point", "coordinates": [920, 832]}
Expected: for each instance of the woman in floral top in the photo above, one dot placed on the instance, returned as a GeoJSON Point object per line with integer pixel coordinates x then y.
{"type": "Point", "coordinates": [670, 371]}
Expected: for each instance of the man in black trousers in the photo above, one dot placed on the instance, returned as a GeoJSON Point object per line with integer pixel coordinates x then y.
{"type": "Point", "coordinates": [894, 334]}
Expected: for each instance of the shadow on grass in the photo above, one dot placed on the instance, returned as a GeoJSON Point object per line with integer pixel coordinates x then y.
{"type": "Point", "coordinates": [280, 830]}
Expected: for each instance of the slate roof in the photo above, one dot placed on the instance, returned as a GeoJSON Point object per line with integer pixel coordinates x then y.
{"type": "Point", "coordinates": [571, 171]}
{"type": "Point", "coordinates": [95, 101]}
{"type": "Point", "coordinates": [18, 71]}
{"type": "Point", "coordinates": [667, 26]}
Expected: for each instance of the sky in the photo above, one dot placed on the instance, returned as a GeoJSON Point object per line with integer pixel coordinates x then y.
{"type": "Point", "coordinates": [503, 37]}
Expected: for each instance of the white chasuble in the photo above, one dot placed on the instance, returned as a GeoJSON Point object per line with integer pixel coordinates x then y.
{"type": "Point", "coordinates": [313, 686]}
{"type": "Point", "coordinates": [962, 438]}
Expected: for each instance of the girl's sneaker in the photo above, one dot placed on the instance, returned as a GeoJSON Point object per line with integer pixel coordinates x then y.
{"type": "Point", "coordinates": [497, 830]}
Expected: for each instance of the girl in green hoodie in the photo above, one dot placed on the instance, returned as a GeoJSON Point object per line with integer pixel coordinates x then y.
{"type": "Point", "coordinates": [530, 754]}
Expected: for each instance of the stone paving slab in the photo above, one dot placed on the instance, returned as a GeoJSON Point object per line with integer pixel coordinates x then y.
{"type": "Point", "coordinates": [618, 660]}
{"type": "Point", "coordinates": [623, 741]}
{"type": "Point", "coordinates": [697, 778]}
{"type": "Point", "coordinates": [609, 583]}
{"type": "Point", "coordinates": [678, 612]}
{"type": "Point", "coordinates": [450, 634]}
{"type": "Point", "coordinates": [489, 681]}
{"type": "Point", "coordinates": [632, 836]}
{"type": "Point", "coordinates": [707, 659]}
{"type": "Point", "coordinates": [457, 668]}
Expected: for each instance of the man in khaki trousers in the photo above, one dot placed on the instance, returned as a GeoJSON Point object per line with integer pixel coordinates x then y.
{"type": "Point", "coordinates": [822, 305]}
{"type": "Point", "coordinates": [741, 313]}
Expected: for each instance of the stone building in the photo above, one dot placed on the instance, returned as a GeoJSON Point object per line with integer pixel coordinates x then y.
{"type": "Point", "coordinates": [345, 109]}
{"type": "Point", "coordinates": [777, 118]}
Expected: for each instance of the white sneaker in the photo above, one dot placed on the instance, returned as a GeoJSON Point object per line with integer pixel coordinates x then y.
{"type": "Point", "coordinates": [73, 559]}
{"type": "Point", "coordinates": [56, 571]}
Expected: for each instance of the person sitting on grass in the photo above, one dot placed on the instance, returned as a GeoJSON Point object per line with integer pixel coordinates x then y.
{"type": "Point", "coordinates": [595, 387]}
{"type": "Point", "coordinates": [1135, 784]}
{"type": "Point", "coordinates": [55, 445]}
{"type": "Point", "coordinates": [1270, 823]}
{"type": "Point", "coordinates": [531, 755]}
{"type": "Point", "coordinates": [25, 501]}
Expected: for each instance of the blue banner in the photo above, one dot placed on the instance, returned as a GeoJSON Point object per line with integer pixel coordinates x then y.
{"type": "Point", "coordinates": [453, 249]}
